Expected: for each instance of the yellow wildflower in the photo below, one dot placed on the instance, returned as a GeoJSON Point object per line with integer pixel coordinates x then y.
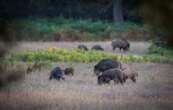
{"type": "Point", "coordinates": [50, 50]}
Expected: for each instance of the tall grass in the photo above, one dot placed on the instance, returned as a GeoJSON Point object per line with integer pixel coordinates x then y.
{"type": "Point", "coordinates": [11, 72]}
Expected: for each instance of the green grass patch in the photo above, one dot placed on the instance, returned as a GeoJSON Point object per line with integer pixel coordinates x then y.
{"type": "Point", "coordinates": [161, 51]}
{"type": "Point", "coordinates": [75, 55]}
{"type": "Point", "coordinates": [44, 28]}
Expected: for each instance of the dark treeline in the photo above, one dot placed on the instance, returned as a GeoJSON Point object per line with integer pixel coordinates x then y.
{"type": "Point", "coordinates": [92, 9]}
{"type": "Point", "coordinates": [157, 13]}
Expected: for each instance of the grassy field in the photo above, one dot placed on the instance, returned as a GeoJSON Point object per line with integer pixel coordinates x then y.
{"type": "Point", "coordinates": [153, 89]}
{"type": "Point", "coordinates": [68, 52]}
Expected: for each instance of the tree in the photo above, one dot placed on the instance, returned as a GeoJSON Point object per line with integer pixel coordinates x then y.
{"type": "Point", "coordinates": [117, 11]}
{"type": "Point", "coordinates": [159, 15]}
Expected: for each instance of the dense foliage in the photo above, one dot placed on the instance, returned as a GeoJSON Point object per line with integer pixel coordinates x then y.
{"type": "Point", "coordinates": [159, 15]}
{"type": "Point", "coordinates": [48, 28]}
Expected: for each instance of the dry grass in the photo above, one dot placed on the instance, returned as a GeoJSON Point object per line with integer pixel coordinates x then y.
{"type": "Point", "coordinates": [11, 72]}
{"type": "Point", "coordinates": [81, 92]}
{"type": "Point", "coordinates": [57, 101]}
{"type": "Point", "coordinates": [153, 90]}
